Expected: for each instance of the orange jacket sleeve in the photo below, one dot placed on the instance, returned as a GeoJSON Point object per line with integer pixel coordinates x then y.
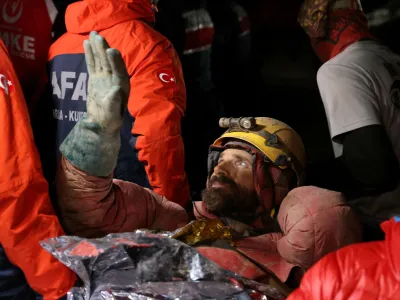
{"type": "Point", "coordinates": [343, 274]}
{"type": "Point", "coordinates": [317, 282]}
{"type": "Point", "coordinates": [95, 206]}
{"type": "Point", "coordinates": [158, 102]}
{"type": "Point", "coordinates": [26, 214]}
{"type": "Point", "coordinates": [359, 271]}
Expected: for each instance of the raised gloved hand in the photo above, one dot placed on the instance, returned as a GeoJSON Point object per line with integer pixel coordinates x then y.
{"type": "Point", "coordinates": [108, 86]}
{"type": "Point", "coordinates": [93, 144]}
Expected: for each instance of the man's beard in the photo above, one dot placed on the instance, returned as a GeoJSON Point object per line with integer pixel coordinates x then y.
{"type": "Point", "coordinates": [230, 199]}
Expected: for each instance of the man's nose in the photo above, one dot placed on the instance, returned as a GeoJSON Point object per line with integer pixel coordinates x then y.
{"type": "Point", "coordinates": [222, 169]}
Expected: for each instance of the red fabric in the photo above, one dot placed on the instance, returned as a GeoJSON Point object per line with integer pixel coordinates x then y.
{"type": "Point", "coordinates": [239, 264]}
{"type": "Point", "coordinates": [345, 27]}
{"type": "Point", "coordinates": [156, 102]}
{"type": "Point", "coordinates": [26, 214]}
{"type": "Point", "coordinates": [28, 41]}
{"type": "Point", "coordinates": [232, 261]}
{"type": "Point", "coordinates": [358, 272]}
{"type": "Point", "coordinates": [199, 39]}
{"type": "Point", "coordinates": [87, 15]}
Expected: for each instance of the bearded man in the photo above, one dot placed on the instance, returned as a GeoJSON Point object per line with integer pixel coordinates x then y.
{"type": "Point", "coordinates": [252, 219]}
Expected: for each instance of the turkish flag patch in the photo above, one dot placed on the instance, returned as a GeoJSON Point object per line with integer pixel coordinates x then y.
{"type": "Point", "coordinates": [166, 76]}
{"type": "Point", "coordinates": [6, 84]}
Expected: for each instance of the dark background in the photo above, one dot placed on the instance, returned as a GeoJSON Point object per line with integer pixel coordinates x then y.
{"type": "Point", "coordinates": [288, 68]}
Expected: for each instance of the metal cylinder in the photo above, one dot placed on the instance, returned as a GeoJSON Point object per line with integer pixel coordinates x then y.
{"type": "Point", "coordinates": [248, 123]}
{"type": "Point", "coordinates": [224, 122]}
{"type": "Point", "coordinates": [244, 123]}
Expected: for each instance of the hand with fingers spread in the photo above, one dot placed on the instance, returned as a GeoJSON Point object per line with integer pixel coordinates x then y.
{"type": "Point", "coordinates": [93, 144]}
{"type": "Point", "coordinates": [108, 86]}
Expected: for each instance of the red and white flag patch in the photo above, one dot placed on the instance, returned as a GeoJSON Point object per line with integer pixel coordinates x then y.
{"type": "Point", "coordinates": [166, 76]}
{"type": "Point", "coordinates": [6, 84]}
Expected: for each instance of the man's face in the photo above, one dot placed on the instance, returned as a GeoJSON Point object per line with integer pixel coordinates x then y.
{"type": "Point", "coordinates": [231, 186]}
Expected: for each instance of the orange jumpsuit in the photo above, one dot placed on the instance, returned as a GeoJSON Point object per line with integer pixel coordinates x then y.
{"type": "Point", "coordinates": [26, 215]}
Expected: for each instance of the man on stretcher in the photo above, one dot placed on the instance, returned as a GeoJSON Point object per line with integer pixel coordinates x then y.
{"type": "Point", "coordinates": [253, 216]}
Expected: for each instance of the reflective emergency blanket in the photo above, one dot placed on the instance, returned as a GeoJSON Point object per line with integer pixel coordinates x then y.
{"type": "Point", "coordinates": [145, 265]}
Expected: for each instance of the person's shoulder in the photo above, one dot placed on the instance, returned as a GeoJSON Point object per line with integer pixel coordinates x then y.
{"type": "Point", "coordinates": [354, 258]}
{"type": "Point", "coordinates": [362, 62]}
{"type": "Point", "coordinates": [341, 271]}
{"type": "Point", "coordinates": [351, 63]}
{"type": "Point", "coordinates": [332, 73]}
{"type": "Point", "coordinates": [68, 43]}
{"type": "Point", "coordinates": [361, 255]}
{"type": "Point", "coordinates": [361, 56]}
{"type": "Point", "coordinates": [137, 41]}
{"type": "Point", "coordinates": [143, 35]}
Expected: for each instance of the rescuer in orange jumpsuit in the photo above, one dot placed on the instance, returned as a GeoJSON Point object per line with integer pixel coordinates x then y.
{"type": "Point", "coordinates": [26, 215]}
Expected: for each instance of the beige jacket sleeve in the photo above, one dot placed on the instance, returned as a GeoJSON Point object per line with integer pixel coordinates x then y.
{"type": "Point", "coordinates": [95, 206]}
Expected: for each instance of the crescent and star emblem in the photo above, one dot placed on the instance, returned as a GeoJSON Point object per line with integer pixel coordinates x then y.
{"type": "Point", "coordinates": [164, 77]}
{"type": "Point", "coordinates": [16, 14]}
{"type": "Point", "coordinates": [5, 84]}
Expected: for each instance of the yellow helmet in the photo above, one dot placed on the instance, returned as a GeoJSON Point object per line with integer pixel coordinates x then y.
{"type": "Point", "coordinates": [280, 144]}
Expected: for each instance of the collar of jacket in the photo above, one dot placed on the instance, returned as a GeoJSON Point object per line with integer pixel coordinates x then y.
{"type": "Point", "coordinates": [96, 15]}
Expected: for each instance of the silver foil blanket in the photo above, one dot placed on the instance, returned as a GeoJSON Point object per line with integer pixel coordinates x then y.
{"type": "Point", "coordinates": [146, 265]}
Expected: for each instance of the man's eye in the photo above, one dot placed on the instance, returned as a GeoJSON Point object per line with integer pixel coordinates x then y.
{"type": "Point", "coordinates": [241, 163]}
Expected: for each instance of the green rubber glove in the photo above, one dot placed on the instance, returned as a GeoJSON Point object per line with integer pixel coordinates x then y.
{"type": "Point", "coordinates": [93, 144]}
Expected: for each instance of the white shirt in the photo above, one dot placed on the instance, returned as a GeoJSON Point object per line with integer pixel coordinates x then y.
{"type": "Point", "coordinates": [361, 87]}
